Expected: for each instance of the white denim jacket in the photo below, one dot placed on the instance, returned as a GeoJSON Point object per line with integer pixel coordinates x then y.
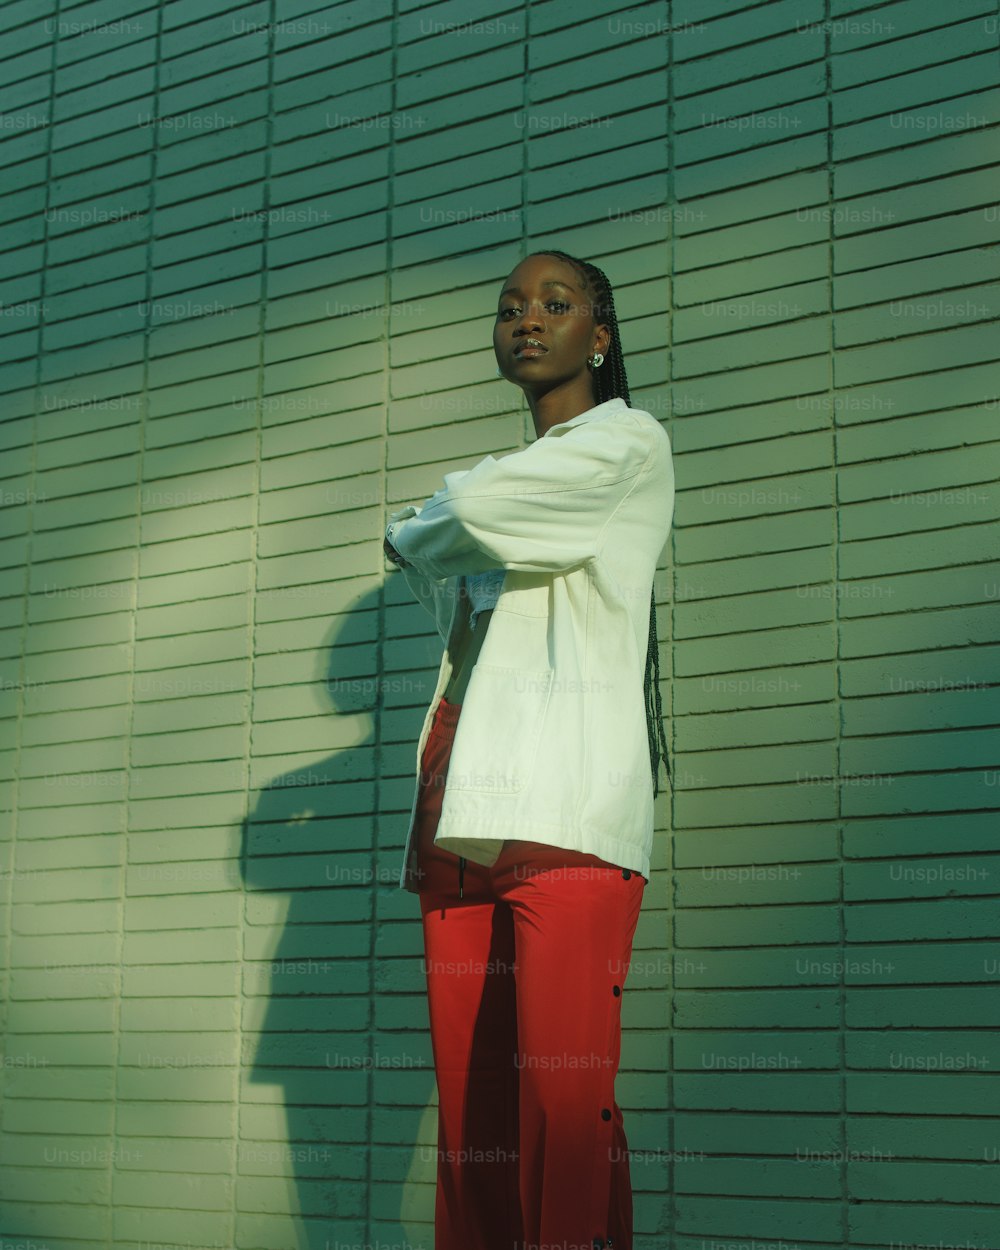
{"type": "Point", "coordinates": [551, 745]}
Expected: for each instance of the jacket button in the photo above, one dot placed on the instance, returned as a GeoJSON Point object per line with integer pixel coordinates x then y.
{"type": "Point", "coordinates": [616, 990]}
{"type": "Point", "coordinates": [626, 874]}
{"type": "Point", "coordinates": [605, 1114]}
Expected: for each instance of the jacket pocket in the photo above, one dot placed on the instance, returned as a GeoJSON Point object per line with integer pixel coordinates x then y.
{"type": "Point", "coordinates": [526, 594]}
{"type": "Point", "coordinates": [503, 712]}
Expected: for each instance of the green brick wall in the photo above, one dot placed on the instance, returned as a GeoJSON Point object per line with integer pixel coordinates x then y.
{"type": "Point", "coordinates": [247, 265]}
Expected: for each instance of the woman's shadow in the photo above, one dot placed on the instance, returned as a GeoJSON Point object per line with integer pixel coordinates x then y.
{"type": "Point", "coordinates": [329, 1148]}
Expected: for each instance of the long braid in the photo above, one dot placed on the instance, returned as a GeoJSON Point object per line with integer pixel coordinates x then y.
{"type": "Point", "coordinates": [611, 382]}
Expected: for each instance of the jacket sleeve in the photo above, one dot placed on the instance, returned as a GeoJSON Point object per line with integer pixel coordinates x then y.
{"type": "Point", "coordinates": [436, 594]}
{"type": "Point", "coordinates": [541, 510]}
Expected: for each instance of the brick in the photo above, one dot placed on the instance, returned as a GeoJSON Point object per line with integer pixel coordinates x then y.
{"type": "Point", "coordinates": [915, 434]}
{"type": "Point", "coordinates": [783, 924]}
{"type": "Point", "coordinates": [922, 47]}
{"type": "Point", "coordinates": [718, 885]}
{"type": "Point", "coordinates": [954, 139]}
{"type": "Point", "coordinates": [921, 475]}
{"type": "Point", "coordinates": [157, 812]}
{"type": "Point", "coordinates": [923, 1136]}
{"type": "Point", "coordinates": [935, 706]}
{"type": "Point", "coordinates": [108, 536]}
{"type": "Point", "coordinates": [72, 918]}
{"type": "Point", "coordinates": [727, 1216]}
{"type": "Point", "coordinates": [917, 631]}
{"type": "Point", "coordinates": [206, 680]}
{"type": "Point", "coordinates": [894, 243]}
{"type": "Point", "coordinates": [175, 911]}
{"type": "Point", "coordinates": [179, 555]}
{"type": "Point", "coordinates": [784, 1178]}
{"type": "Point", "coordinates": [972, 831]}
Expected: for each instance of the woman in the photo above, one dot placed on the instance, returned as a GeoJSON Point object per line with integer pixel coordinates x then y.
{"type": "Point", "coordinates": [531, 828]}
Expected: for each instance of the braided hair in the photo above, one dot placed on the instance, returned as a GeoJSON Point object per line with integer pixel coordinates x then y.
{"type": "Point", "coordinates": [610, 382]}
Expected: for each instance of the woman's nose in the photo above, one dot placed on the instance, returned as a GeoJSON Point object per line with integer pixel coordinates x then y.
{"type": "Point", "coordinates": [530, 319]}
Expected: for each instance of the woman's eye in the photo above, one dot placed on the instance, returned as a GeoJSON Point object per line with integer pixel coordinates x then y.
{"type": "Point", "coordinates": [558, 304]}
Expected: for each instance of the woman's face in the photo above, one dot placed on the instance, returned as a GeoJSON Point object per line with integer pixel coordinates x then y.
{"type": "Point", "coordinates": [543, 300]}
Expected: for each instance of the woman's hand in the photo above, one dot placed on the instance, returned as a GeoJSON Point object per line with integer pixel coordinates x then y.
{"type": "Point", "coordinates": [393, 554]}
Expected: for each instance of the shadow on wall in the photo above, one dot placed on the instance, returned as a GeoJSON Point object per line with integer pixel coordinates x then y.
{"type": "Point", "coordinates": [336, 1088]}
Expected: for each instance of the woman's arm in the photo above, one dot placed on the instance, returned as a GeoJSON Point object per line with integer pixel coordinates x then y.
{"type": "Point", "coordinates": [543, 509]}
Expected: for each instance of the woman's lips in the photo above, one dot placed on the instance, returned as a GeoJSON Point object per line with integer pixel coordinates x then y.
{"type": "Point", "coordinates": [529, 351]}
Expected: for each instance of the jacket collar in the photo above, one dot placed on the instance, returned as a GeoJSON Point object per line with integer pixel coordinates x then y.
{"type": "Point", "coordinates": [592, 414]}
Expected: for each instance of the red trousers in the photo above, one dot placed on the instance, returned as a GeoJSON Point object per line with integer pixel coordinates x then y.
{"type": "Point", "coordinates": [525, 974]}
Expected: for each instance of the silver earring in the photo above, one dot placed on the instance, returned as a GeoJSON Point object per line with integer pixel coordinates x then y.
{"type": "Point", "coordinates": [597, 360]}
{"type": "Point", "coordinates": [499, 372]}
